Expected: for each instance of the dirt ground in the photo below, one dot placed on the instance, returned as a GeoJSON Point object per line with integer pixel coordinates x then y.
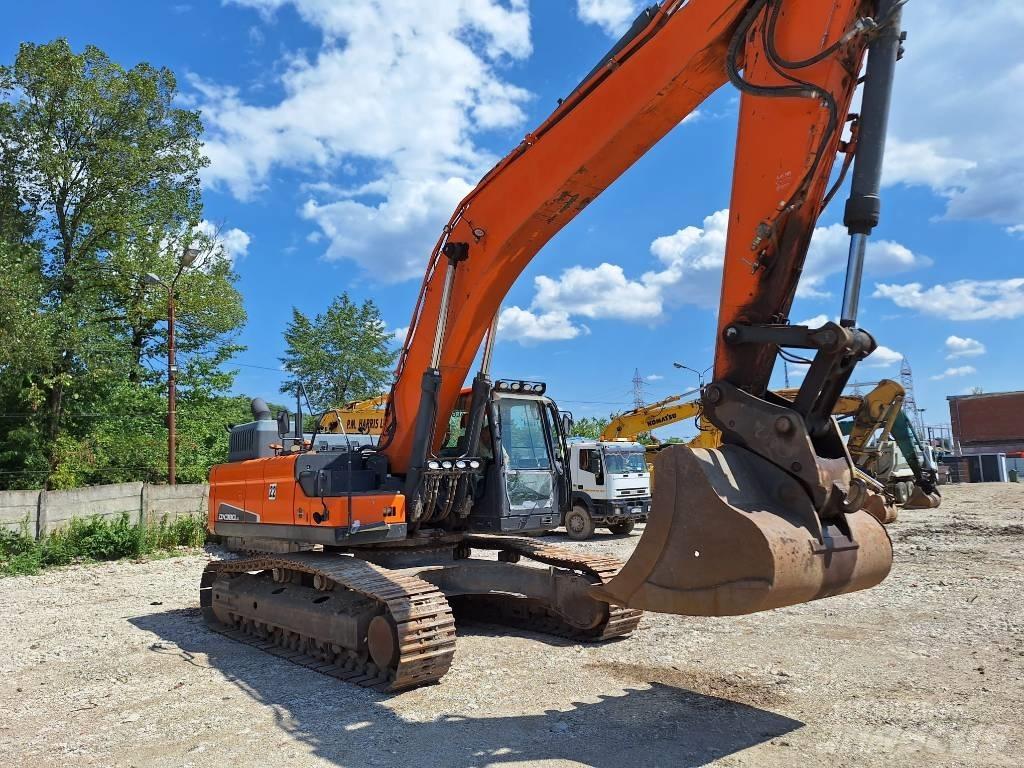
{"type": "Point", "coordinates": [111, 665]}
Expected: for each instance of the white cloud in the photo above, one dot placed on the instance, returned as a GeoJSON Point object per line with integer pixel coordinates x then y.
{"type": "Point", "coordinates": [961, 347]}
{"type": "Point", "coordinates": [815, 322]}
{"type": "Point", "coordinates": [232, 244]}
{"type": "Point", "coordinates": [929, 162]}
{"type": "Point", "coordinates": [963, 370]}
{"type": "Point", "coordinates": [884, 357]}
{"type": "Point", "coordinates": [689, 271]}
{"type": "Point", "coordinates": [827, 256]}
{"type": "Point", "coordinates": [362, 100]}
{"type": "Point", "coordinates": [602, 291]}
{"type": "Point", "coordinates": [960, 300]}
{"type": "Point", "coordinates": [956, 108]}
{"type": "Point", "coordinates": [613, 16]}
{"type": "Point", "coordinates": [654, 377]}
{"type": "Point", "coordinates": [691, 261]}
{"type": "Point", "coordinates": [1017, 229]}
{"type": "Point", "coordinates": [392, 238]}
{"type": "Point", "coordinates": [399, 334]}
{"type": "Point", "coordinates": [526, 327]}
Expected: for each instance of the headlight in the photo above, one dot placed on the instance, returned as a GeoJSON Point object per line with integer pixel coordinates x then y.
{"type": "Point", "coordinates": [474, 464]}
{"type": "Point", "coordinates": [516, 386]}
{"type": "Point", "coordinates": [460, 464]}
{"type": "Point", "coordinates": [502, 385]}
{"type": "Point", "coordinates": [446, 464]}
{"type": "Point", "coordinates": [434, 464]}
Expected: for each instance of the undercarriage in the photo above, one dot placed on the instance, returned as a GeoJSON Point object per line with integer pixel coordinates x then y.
{"type": "Point", "coordinates": [383, 617]}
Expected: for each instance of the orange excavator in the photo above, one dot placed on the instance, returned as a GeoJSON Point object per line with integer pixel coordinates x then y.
{"type": "Point", "coordinates": [360, 552]}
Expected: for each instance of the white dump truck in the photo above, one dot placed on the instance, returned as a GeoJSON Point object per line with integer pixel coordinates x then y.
{"type": "Point", "coordinates": [611, 487]}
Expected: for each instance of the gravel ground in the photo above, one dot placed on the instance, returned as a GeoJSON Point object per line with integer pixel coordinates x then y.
{"type": "Point", "coordinates": [111, 665]}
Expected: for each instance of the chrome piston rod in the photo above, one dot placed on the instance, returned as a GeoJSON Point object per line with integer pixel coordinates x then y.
{"type": "Point", "coordinates": [864, 205]}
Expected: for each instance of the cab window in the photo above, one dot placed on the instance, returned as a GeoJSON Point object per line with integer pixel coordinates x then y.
{"type": "Point", "coordinates": [456, 430]}
{"type": "Point", "coordinates": [522, 434]}
{"type": "Point", "coordinates": [590, 461]}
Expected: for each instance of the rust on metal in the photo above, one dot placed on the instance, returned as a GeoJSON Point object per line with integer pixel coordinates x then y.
{"type": "Point", "coordinates": [731, 533]}
{"type": "Point", "coordinates": [394, 629]}
{"type": "Point", "coordinates": [417, 615]}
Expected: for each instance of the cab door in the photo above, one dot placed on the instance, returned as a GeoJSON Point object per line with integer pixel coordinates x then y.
{"type": "Point", "coordinates": [560, 456]}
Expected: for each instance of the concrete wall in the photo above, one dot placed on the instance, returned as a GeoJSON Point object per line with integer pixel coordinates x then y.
{"type": "Point", "coordinates": [17, 507]}
{"type": "Point", "coordinates": [109, 501]}
{"type": "Point", "coordinates": [174, 500]}
{"type": "Point", "coordinates": [46, 510]}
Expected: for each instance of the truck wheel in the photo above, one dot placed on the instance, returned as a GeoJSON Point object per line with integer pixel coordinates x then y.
{"type": "Point", "coordinates": [900, 493]}
{"type": "Point", "coordinates": [625, 527]}
{"type": "Point", "coordinates": [578, 524]}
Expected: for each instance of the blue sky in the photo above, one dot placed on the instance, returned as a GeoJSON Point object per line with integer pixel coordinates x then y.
{"type": "Point", "coordinates": [343, 132]}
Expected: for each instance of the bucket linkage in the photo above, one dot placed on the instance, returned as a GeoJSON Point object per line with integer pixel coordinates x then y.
{"type": "Point", "coordinates": [774, 517]}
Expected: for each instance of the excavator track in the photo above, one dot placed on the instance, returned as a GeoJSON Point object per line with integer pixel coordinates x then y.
{"type": "Point", "coordinates": [404, 628]}
{"type": "Point", "coordinates": [533, 615]}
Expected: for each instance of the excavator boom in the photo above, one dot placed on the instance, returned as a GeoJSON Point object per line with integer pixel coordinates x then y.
{"type": "Point", "coordinates": [797, 64]}
{"type": "Point", "coordinates": [672, 59]}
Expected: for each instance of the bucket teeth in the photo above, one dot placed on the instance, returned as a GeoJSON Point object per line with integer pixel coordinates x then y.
{"type": "Point", "coordinates": [730, 533]}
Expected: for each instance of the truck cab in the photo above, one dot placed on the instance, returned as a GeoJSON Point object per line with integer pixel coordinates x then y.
{"type": "Point", "coordinates": [611, 487]}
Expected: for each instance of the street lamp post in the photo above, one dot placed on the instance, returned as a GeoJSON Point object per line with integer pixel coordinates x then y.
{"type": "Point", "coordinates": [700, 374]}
{"type": "Point", "coordinates": [188, 258]}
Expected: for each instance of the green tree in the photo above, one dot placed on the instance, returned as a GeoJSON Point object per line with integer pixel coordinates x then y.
{"type": "Point", "coordinates": [343, 354]}
{"type": "Point", "coordinates": [588, 427]}
{"type": "Point", "coordinates": [99, 185]}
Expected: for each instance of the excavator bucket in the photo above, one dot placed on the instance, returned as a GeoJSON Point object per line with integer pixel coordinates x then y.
{"type": "Point", "coordinates": [921, 500]}
{"type": "Point", "coordinates": [882, 508]}
{"type": "Point", "coordinates": [730, 533]}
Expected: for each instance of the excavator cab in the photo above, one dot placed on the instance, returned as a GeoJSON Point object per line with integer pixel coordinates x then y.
{"type": "Point", "coordinates": [524, 449]}
{"type": "Point", "coordinates": [515, 434]}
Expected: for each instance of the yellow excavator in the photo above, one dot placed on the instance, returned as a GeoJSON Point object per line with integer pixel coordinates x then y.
{"type": "Point", "coordinates": [359, 417]}
{"type": "Point", "coordinates": [873, 422]}
{"type": "Point", "coordinates": [671, 410]}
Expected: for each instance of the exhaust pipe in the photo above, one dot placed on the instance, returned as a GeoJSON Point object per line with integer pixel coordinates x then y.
{"type": "Point", "coordinates": [260, 409]}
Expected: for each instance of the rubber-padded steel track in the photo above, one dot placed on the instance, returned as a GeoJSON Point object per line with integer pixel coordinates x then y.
{"type": "Point", "coordinates": [424, 624]}
{"type": "Point", "coordinates": [530, 614]}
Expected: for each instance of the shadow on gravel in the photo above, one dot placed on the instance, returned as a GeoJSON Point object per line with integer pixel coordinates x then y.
{"type": "Point", "coordinates": [663, 725]}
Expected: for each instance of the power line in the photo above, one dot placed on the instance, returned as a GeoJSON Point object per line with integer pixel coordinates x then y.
{"type": "Point", "coordinates": [594, 402]}
{"type": "Point", "coordinates": [260, 367]}
{"type": "Point", "coordinates": [128, 415]}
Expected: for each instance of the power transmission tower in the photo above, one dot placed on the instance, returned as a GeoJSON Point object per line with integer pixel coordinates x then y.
{"type": "Point", "coordinates": [909, 401]}
{"type": "Point", "coordinates": [638, 389]}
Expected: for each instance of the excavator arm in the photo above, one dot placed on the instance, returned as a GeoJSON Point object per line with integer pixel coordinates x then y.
{"type": "Point", "coordinates": [926, 478]}
{"type": "Point", "coordinates": [630, 425]}
{"type": "Point", "coordinates": [774, 514]}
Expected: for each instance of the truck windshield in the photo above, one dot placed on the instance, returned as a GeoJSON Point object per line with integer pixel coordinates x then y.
{"type": "Point", "coordinates": [618, 463]}
{"type": "Point", "coordinates": [522, 434]}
